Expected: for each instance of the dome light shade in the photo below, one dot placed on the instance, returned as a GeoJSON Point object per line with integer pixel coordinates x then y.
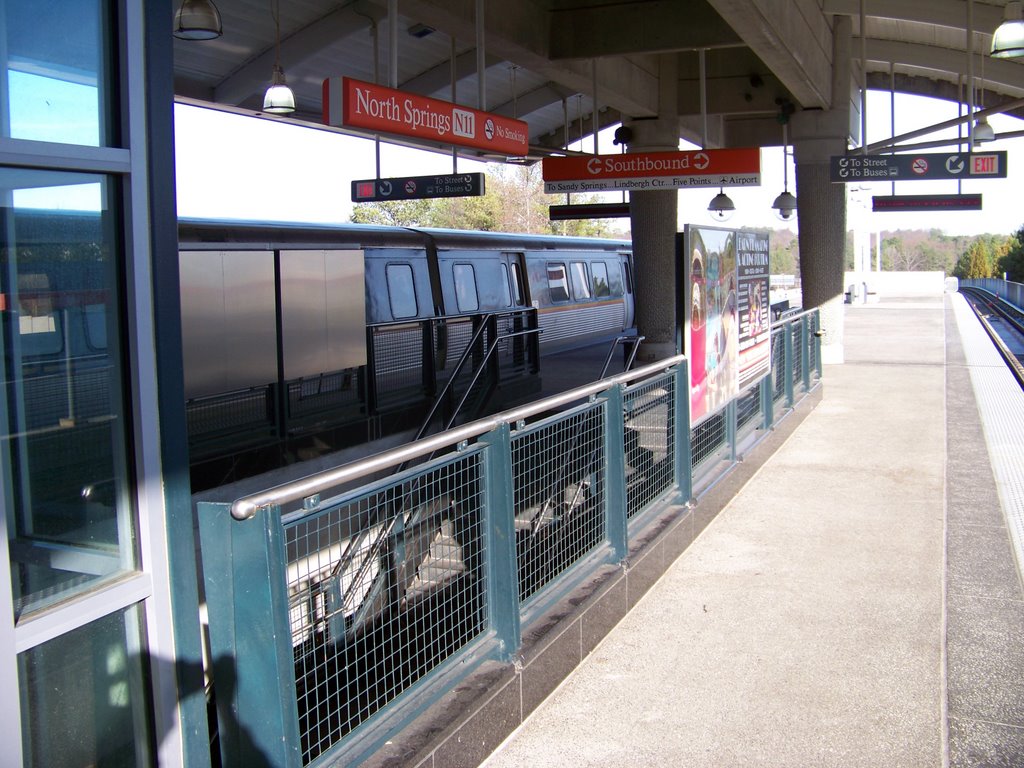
{"type": "Point", "coordinates": [721, 206]}
{"type": "Point", "coordinates": [197, 20]}
{"type": "Point", "coordinates": [279, 99]}
{"type": "Point", "coordinates": [983, 131]}
{"type": "Point", "coordinates": [1008, 40]}
{"type": "Point", "coordinates": [785, 205]}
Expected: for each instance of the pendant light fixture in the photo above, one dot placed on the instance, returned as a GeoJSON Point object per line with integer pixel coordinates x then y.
{"type": "Point", "coordinates": [1008, 40]}
{"type": "Point", "coordinates": [197, 20]}
{"type": "Point", "coordinates": [721, 206]}
{"type": "Point", "coordinates": [785, 203]}
{"type": "Point", "coordinates": [279, 99]}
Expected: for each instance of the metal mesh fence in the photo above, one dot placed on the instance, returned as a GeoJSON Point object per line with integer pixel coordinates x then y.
{"type": "Point", "coordinates": [324, 396]}
{"type": "Point", "coordinates": [650, 447]}
{"type": "Point", "coordinates": [749, 415]}
{"type": "Point", "coordinates": [242, 417]}
{"type": "Point", "coordinates": [398, 363]}
{"type": "Point", "coordinates": [707, 438]}
{"type": "Point", "coordinates": [778, 364]}
{"type": "Point", "coordinates": [796, 329]}
{"type": "Point", "coordinates": [50, 398]}
{"type": "Point", "coordinates": [558, 494]}
{"type": "Point", "coordinates": [382, 588]}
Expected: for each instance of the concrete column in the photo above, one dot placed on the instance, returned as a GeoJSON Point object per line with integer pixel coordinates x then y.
{"type": "Point", "coordinates": [653, 221]}
{"type": "Point", "coordinates": [817, 136]}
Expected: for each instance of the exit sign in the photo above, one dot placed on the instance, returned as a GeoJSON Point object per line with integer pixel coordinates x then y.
{"type": "Point", "coordinates": [985, 165]}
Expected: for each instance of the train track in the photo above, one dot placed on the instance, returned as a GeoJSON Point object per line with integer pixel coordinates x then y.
{"type": "Point", "coordinates": [1004, 323]}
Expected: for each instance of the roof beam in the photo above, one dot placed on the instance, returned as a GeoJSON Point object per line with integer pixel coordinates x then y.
{"type": "Point", "coordinates": [793, 38]}
{"type": "Point", "coordinates": [650, 26]}
{"type": "Point", "coordinates": [252, 78]}
{"type": "Point", "coordinates": [533, 101]}
{"type": "Point", "coordinates": [944, 13]}
{"type": "Point", "coordinates": [1000, 74]}
{"type": "Point", "coordinates": [437, 78]}
{"type": "Point", "coordinates": [520, 34]}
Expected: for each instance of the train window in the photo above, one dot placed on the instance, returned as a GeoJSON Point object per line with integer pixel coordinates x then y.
{"type": "Point", "coordinates": [506, 287]}
{"type": "Point", "coordinates": [600, 270]}
{"type": "Point", "coordinates": [401, 291]}
{"type": "Point", "coordinates": [580, 281]}
{"type": "Point", "coordinates": [465, 288]}
{"type": "Point", "coordinates": [558, 284]}
{"type": "Point", "coordinates": [629, 277]}
{"type": "Point", "coordinates": [614, 278]}
{"type": "Point", "coordinates": [517, 285]}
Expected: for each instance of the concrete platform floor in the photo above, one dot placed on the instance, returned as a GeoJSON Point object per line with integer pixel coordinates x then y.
{"type": "Point", "coordinates": [807, 626]}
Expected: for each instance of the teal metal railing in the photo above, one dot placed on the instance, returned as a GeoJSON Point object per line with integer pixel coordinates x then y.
{"type": "Point", "coordinates": [338, 600]}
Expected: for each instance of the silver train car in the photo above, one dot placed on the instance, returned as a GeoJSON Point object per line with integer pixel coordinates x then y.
{"type": "Point", "coordinates": [353, 330]}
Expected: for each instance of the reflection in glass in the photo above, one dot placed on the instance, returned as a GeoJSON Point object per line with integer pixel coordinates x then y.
{"type": "Point", "coordinates": [83, 697]}
{"type": "Point", "coordinates": [54, 65]}
{"type": "Point", "coordinates": [62, 426]}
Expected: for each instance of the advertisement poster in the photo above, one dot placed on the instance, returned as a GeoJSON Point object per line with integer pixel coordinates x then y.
{"type": "Point", "coordinates": [712, 319]}
{"type": "Point", "coordinates": [755, 359]}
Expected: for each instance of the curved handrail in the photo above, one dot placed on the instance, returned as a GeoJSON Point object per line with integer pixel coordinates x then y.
{"type": "Point", "coordinates": [302, 488]}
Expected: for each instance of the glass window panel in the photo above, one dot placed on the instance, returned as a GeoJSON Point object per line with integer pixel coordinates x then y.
{"type": "Point", "coordinates": [62, 425]}
{"type": "Point", "coordinates": [600, 279]}
{"type": "Point", "coordinates": [580, 280]}
{"type": "Point", "coordinates": [615, 278]}
{"type": "Point", "coordinates": [506, 287]}
{"type": "Point", "coordinates": [517, 284]}
{"type": "Point", "coordinates": [465, 288]}
{"type": "Point", "coordinates": [401, 291]}
{"type": "Point", "coordinates": [558, 284]}
{"type": "Point", "coordinates": [82, 697]}
{"type": "Point", "coordinates": [55, 70]}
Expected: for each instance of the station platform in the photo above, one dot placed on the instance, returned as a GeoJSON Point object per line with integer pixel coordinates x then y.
{"type": "Point", "coordinates": [858, 603]}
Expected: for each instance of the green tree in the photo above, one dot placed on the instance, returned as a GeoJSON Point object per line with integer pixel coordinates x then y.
{"type": "Point", "coordinates": [1012, 261]}
{"type": "Point", "coordinates": [394, 213]}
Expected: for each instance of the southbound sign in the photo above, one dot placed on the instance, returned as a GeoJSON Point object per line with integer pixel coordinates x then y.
{"type": "Point", "coordinates": [418, 187]}
{"type": "Point", "coordinates": [352, 103]}
{"type": "Point", "coordinates": [932, 166]}
{"type": "Point", "coordinates": [653, 170]}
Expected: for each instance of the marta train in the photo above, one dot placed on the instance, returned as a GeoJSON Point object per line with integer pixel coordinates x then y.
{"type": "Point", "coordinates": [299, 339]}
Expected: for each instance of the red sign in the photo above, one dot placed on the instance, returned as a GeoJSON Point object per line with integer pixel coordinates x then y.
{"type": "Point", "coordinates": [354, 104]}
{"type": "Point", "coordinates": [653, 170]}
{"type": "Point", "coordinates": [984, 165]}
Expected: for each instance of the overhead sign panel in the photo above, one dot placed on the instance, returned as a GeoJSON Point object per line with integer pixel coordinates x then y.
{"type": "Point", "coordinates": [352, 103]}
{"type": "Point", "coordinates": [588, 211]}
{"type": "Point", "coordinates": [916, 203]}
{"type": "Point", "coordinates": [931, 166]}
{"type": "Point", "coordinates": [653, 170]}
{"type": "Point", "coordinates": [418, 187]}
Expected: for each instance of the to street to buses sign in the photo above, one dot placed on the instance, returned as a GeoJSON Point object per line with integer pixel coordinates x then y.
{"type": "Point", "coordinates": [352, 103]}
{"type": "Point", "coordinates": [911, 167]}
{"type": "Point", "coordinates": [653, 170]}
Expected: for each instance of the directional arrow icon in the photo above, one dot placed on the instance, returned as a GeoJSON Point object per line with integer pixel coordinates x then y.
{"type": "Point", "coordinates": [955, 164]}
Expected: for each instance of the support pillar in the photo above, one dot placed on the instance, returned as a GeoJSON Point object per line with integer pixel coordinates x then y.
{"type": "Point", "coordinates": [653, 217]}
{"type": "Point", "coordinates": [817, 136]}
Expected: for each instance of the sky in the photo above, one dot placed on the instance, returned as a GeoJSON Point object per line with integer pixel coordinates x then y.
{"type": "Point", "coordinates": [233, 166]}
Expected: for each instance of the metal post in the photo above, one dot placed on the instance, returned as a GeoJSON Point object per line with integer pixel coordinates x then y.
{"type": "Point", "coordinates": [805, 356]}
{"type": "Point", "coordinates": [500, 541]}
{"type": "Point", "coordinates": [616, 511]}
{"type": "Point", "coordinates": [767, 403]}
{"type": "Point", "coordinates": [481, 59]}
{"type": "Point", "coordinates": [244, 569]}
{"type": "Point", "coordinates": [787, 336]}
{"type": "Point", "coordinates": [683, 449]}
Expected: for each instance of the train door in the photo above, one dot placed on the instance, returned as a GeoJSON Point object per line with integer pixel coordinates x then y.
{"type": "Point", "coordinates": [628, 304]}
{"type": "Point", "coordinates": [514, 274]}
